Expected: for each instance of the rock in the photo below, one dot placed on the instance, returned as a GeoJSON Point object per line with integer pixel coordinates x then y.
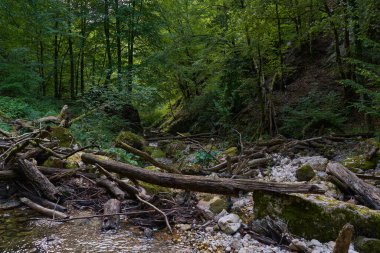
{"type": "Point", "coordinates": [305, 173]}
{"type": "Point", "coordinates": [230, 223]}
{"type": "Point", "coordinates": [367, 245]}
{"type": "Point", "coordinates": [232, 151]}
{"type": "Point", "coordinates": [132, 139]}
{"type": "Point", "coordinates": [298, 246]}
{"type": "Point", "coordinates": [359, 162]}
{"type": "Point", "coordinates": [220, 215]}
{"type": "Point", "coordinates": [316, 216]}
{"type": "Point", "coordinates": [63, 135]}
{"type": "Point", "coordinates": [212, 204]}
{"type": "Point", "coordinates": [317, 163]}
{"type": "Point", "coordinates": [54, 162]}
{"type": "Point", "coordinates": [9, 204]}
{"type": "Point", "coordinates": [184, 227]}
{"type": "Point", "coordinates": [209, 229]}
{"type": "Point", "coordinates": [148, 232]}
{"type": "Point", "coordinates": [155, 152]}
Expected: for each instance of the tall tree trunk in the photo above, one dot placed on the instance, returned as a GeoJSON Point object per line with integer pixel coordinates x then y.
{"type": "Point", "coordinates": [55, 69]}
{"type": "Point", "coordinates": [108, 43]}
{"type": "Point", "coordinates": [280, 55]}
{"type": "Point", "coordinates": [82, 46]}
{"type": "Point", "coordinates": [131, 41]}
{"type": "Point", "coordinates": [118, 40]}
{"type": "Point", "coordinates": [71, 55]}
{"type": "Point", "coordinates": [42, 68]}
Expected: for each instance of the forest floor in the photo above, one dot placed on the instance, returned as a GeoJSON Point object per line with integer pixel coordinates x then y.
{"type": "Point", "coordinates": [201, 222]}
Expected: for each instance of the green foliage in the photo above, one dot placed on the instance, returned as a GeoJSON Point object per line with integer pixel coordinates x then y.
{"type": "Point", "coordinates": [316, 113]}
{"type": "Point", "coordinates": [123, 156]}
{"type": "Point", "coordinates": [204, 158]}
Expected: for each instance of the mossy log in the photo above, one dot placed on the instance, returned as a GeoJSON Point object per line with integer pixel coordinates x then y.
{"type": "Point", "coordinates": [199, 183]}
{"type": "Point", "coordinates": [368, 194]}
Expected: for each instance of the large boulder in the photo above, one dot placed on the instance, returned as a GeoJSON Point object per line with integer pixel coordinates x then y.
{"type": "Point", "coordinates": [316, 216]}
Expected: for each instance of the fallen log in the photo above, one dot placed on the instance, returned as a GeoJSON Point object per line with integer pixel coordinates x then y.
{"type": "Point", "coordinates": [44, 202]}
{"type": "Point", "coordinates": [146, 157]}
{"type": "Point", "coordinates": [43, 210]}
{"type": "Point", "coordinates": [6, 175]}
{"type": "Point", "coordinates": [199, 183]}
{"type": "Point", "coordinates": [39, 180]}
{"type": "Point", "coordinates": [369, 195]}
{"type": "Point", "coordinates": [111, 187]}
{"type": "Point", "coordinates": [110, 222]}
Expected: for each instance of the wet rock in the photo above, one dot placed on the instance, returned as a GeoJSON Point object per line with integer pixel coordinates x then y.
{"type": "Point", "coordinates": [305, 173]}
{"type": "Point", "coordinates": [212, 204]}
{"type": "Point", "coordinates": [315, 216]}
{"type": "Point", "coordinates": [230, 223]}
{"type": "Point", "coordinates": [367, 245]}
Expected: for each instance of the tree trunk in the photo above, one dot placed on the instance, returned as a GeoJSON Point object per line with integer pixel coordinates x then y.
{"type": "Point", "coordinates": [199, 183]}
{"type": "Point", "coordinates": [118, 40]}
{"type": "Point", "coordinates": [55, 69]}
{"type": "Point", "coordinates": [108, 43]}
{"type": "Point", "coordinates": [71, 55]}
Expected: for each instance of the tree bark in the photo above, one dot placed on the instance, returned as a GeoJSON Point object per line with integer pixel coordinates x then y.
{"type": "Point", "coordinates": [199, 183]}
{"type": "Point", "coordinates": [40, 181]}
{"type": "Point", "coordinates": [108, 43]}
{"type": "Point", "coordinates": [112, 206]}
{"type": "Point", "coordinates": [368, 194]}
{"type": "Point", "coordinates": [342, 243]}
{"type": "Point", "coordinates": [111, 187]}
{"type": "Point", "coordinates": [43, 210]}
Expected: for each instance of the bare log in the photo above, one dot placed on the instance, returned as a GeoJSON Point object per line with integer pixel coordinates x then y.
{"type": "Point", "coordinates": [146, 157]}
{"type": "Point", "coordinates": [6, 175]}
{"type": "Point", "coordinates": [39, 180]}
{"type": "Point", "coordinates": [44, 202]}
{"type": "Point", "coordinates": [342, 243]}
{"type": "Point", "coordinates": [111, 187]}
{"type": "Point", "coordinates": [112, 206]}
{"type": "Point", "coordinates": [43, 210]}
{"type": "Point", "coordinates": [369, 194]}
{"type": "Point", "coordinates": [199, 183]}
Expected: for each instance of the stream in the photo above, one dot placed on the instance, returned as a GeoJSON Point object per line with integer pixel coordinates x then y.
{"type": "Point", "coordinates": [19, 234]}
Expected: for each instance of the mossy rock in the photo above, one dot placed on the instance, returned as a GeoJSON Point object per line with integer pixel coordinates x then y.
{"type": "Point", "coordinates": [63, 135]}
{"type": "Point", "coordinates": [53, 162]}
{"type": "Point", "coordinates": [305, 173]}
{"type": "Point", "coordinates": [367, 245]}
{"type": "Point", "coordinates": [74, 161]}
{"type": "Point", "coordinates": [317, 216]}
{"type": "Point", "coordinates": [152, 168]}
{"type": "Point", "coordinates": [155, 152]}
{"type": "Point", "coordinates": [232, 151]}
{"type": "Point", "coordinates": [132, 139]}
{"type": "Point", "coordinates": [213, 204]}
{"type": "Point", "coordinates": [174, 148]}
{"type": "Point", "coordinates": [359, 162]}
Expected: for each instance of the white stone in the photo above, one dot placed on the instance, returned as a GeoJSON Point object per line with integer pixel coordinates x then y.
{"type": "Point", "coordinates": [230, 223]}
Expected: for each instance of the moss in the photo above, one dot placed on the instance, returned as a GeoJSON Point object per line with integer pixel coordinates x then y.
{"type": "Point", "coordinates": [305, 173]}
{"type": "Point", "coordinates": [155, 152]}
{"type": "Point", "coordinates": [63, 135]}
{"type": "Point", "coordinates": [53, 162]}
{"type": "Point", "coordinates": [218, 205]}
{"type": "Point", "coordinates": [232, 151]}
{"type": "Point", "coordinates": [317, 217]}
{"type": "Point", "coordinates": [152, 168]}
{"type": "Point", "coordinates": [359, 162]}
{"type": "Point", "coordinates": [132, 139]}
{"type": "Point", "coordinates": [74, 160]}
{"type": "Point", "coordinates": [154, 189]}
{"type": "Point", "coordinates": [367, 245]}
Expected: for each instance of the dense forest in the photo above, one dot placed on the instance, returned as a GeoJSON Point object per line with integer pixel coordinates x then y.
{"type": "Point", "coordinates": [292, 67]}
{"type": "Point", "coordinates": [223, 125]}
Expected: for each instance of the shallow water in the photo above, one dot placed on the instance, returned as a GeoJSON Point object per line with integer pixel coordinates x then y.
{"type": "Point", "coordinates": [19, 234]}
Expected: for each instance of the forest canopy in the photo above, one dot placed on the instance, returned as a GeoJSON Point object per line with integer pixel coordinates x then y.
{"type": "Point", "coordinates": [264, 67]}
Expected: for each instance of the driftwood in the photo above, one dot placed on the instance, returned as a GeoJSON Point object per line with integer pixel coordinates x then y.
{"type": "Point", "coordinates": [44, 202]}
{"type": "Point", "coordinates": [342, 243]}
{"type": "Point", "coordinates": [343, 177]}
{"type": "Point", "coordinates": [111, 222]}
{"type": "Point", "coordinates": [146, 157]}
{"type": "Point", "coordinates": [6, 175]}
{"type": "Point", "coordinates": [43, 210]}
{"type": "Point", "coordinates": [199, 183]}
{"type": "Point", "coordinates": [111, 187]}
{"type": "Point", "coordinates": [39, 180]}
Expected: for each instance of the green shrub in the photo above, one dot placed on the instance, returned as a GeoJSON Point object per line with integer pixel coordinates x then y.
{"type": "Point", "coordinates": [317, 113]}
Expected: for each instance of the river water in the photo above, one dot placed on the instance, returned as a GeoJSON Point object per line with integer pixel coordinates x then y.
{"type": "Point", "coordinates": [19, 234]}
